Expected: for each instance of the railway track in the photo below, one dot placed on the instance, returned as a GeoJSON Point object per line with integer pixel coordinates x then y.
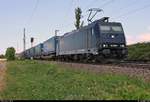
{"type": "Point", "coordinates": [131, 69]}
{"type": "Point", "coordinates": [134, 64]}
{"type": "Point", "coordinates": [122, 64]}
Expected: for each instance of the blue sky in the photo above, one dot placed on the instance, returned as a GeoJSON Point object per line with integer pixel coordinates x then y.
{"type": "Point", "coordinates": [48, 15]}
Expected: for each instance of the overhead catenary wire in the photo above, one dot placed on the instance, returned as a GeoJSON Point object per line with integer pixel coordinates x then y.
{"type": "Point", "coordinates": [90, 4]}
{"type": "Point", "coordinates": [72, 4]}
{"type": "Point", "coordinates": [102, 6]}
{"type": "Point", "coordinates": [33, 12]}
{"type": "Point", "coordinates": [76, 3]}
{"type": "Point", "coordinates": [133, 11]}
{"type": "Point", "coordinates": [28, 22]}
{"type": "Point", "coordinates": [87, 7]}
{"type": "Point", "coordinates": [69, 9]}
{"type": "Point", "coordinates": [94, 1]}
{"type": "Point", "coordinates": [106, 3]}
{"type": "Point", "coordinates": [129, 5]}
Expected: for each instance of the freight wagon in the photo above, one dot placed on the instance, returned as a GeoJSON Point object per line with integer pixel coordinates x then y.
{"type": "Point", "coordinates": [49, 47]}
{"type": "Point", "coordinates": [38, 51]}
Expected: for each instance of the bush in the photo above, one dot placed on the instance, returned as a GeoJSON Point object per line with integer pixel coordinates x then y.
{"type": "Point", "coordinates": [10, 54]}
{"type": "Point", "coordinates": [2, 56]}
{"type": "Point", "coordinates": [140, 51]}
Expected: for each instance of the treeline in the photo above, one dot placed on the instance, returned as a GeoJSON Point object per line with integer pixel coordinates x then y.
{"type": "Point", "coordinates": [139, 51]}
{"type": "Point", "coordinates": [9, 54]}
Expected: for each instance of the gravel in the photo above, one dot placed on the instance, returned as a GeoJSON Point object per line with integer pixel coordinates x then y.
{"type": "Point", "coordinates": [143, 73]}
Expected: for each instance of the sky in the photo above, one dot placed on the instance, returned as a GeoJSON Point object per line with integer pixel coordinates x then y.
{"type": "Point", "coordinates": [42, 17]}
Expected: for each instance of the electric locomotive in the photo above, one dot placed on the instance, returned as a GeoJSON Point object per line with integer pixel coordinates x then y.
{"type": "Point", "coordinates": [97, 41]}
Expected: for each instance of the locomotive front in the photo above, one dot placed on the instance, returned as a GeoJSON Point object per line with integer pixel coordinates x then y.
{"type": "Point", "coordinates": [112, 39]}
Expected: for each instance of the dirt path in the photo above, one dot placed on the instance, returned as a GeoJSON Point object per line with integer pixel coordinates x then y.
{"type": "Point", "coordinates": [2, 74]}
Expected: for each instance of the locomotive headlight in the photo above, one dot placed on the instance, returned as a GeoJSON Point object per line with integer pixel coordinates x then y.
{"type": "Point", "coordinates": [122, 45]}
{"type": "Point", "coordinates": [105, 45]}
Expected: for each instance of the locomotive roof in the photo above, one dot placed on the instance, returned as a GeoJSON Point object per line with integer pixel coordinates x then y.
{"type": "Point", "coordinates": [103, 20]}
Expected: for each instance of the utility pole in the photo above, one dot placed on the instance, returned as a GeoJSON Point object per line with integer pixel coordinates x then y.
{"type": "Point", "coordinates": [24, 39]}
{"type": "Point", "coordinates": [17, 47]}
{"type": "Point", "coordinates": [56, 31]}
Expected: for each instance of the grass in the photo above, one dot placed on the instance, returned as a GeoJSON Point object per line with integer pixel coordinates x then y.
{"type": "Point", "coordinates": [140, 51]}
{"type": "Point", "coordinates": [31, 80]}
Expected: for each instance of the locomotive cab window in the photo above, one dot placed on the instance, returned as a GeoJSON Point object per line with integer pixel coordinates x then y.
{"type": "Point", "coordinates": [107, 28]}
{"type": "Point", "coordinates": [117, 28]}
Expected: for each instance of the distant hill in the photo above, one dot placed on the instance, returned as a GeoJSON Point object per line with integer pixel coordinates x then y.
{"type": "Point", "coordinates": [139, 51]}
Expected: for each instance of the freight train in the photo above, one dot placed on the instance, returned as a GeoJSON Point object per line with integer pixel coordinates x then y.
{"type": "Point", "coordinates": [98, 41]}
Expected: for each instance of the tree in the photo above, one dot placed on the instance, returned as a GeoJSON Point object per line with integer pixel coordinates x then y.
{"type": "Point", "coordinates": [10, 53]}
{"type": "Point", "coordinates": [78, 15]}
{"type": "Point", "coordinates": [2, 56]}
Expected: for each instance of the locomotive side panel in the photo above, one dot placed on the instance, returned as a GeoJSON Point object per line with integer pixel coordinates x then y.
{"type": "Point", "coordinates": [82, 41]}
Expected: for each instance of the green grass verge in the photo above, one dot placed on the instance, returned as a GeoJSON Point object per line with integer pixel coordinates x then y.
{"type": "Point", "coordinates": [33, 80]}
{"type": "Point", "coordinates": [140, 51]}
